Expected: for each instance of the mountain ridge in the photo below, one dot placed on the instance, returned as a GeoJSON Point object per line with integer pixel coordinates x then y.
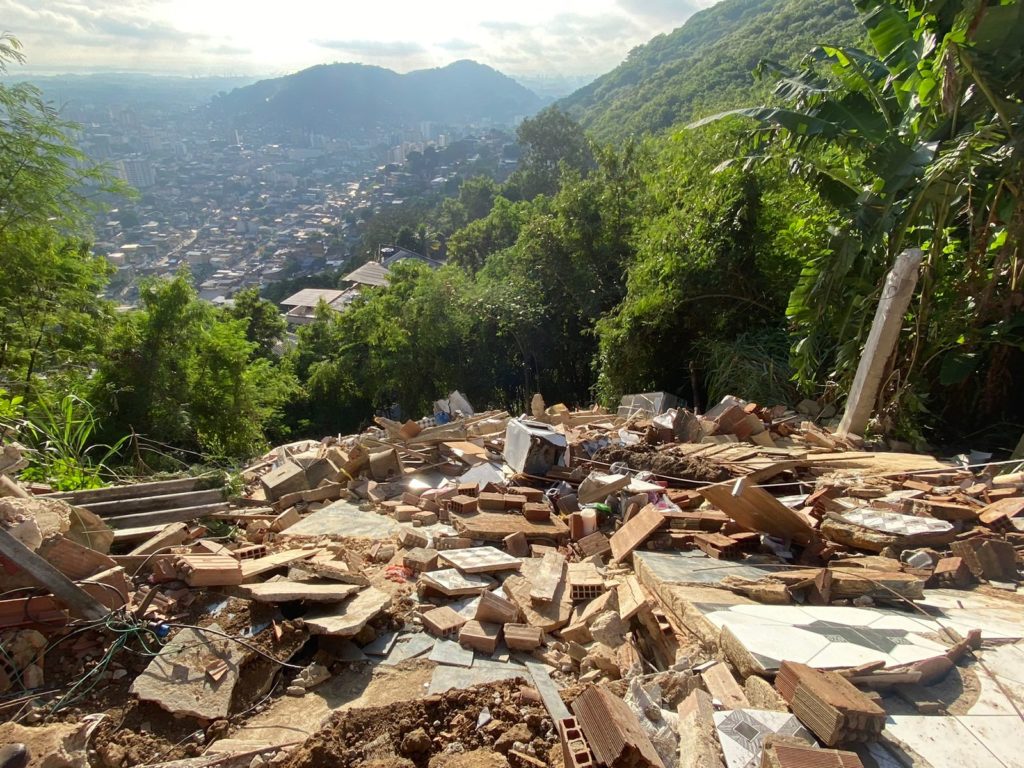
{"type": "Point", "coordinates": [346, 98]}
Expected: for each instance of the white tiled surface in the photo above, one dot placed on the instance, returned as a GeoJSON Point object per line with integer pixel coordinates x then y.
{"type": "Point", "coordinates": [828, 636]}
{"type": "Point", "coordinates": [944, 742]}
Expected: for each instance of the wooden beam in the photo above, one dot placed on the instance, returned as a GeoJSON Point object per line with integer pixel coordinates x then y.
{"type": "Point", "coordinates": [138, 505]}
{"type": "Point", "coordinates": [164, 516]}
{"type": "Point", "coordinates": [137, 490]}
{"type": "Point", "coordinates": [80, 603]}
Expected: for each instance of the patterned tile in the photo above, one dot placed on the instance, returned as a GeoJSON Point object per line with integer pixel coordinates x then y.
{"type": "Point", "coordinates": [480, 560]}
{"type": "Point", "coordinates": [450, 582]}
{"type": "Point", "coordinates": [741, 732]}
{"type": "Point", "coordinates": [892, 522]}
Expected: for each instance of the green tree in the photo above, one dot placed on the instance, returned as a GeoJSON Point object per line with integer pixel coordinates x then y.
{"type": "Point", "coordinates": [918, 143]}
{"type": "Point", "coordinates": [50, 319]}
{"type": "Point", "coordinates": [179, 372]}
{"type": "Point", "coordinates": [476, 195]}
{"type": "Point", "coordinates": [716, 257]}
{"type": "Point", "coordinates": [265, 327]}
{"type": "Point", "coordinates": [471, 246]}
{"type": "Point", "coordinates": [551, 141]}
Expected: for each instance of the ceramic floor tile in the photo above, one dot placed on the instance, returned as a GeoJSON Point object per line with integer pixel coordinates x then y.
{"type": "Point", "coordinates": [944, 742]}
{"type": "Point", "coordinates": [451, 582]}
{"type": "Point", "coordinates": [916, 651]}
{"type": "Point", "coordinates": [721, 618]}
{"type": "Point", "coordinates": [408, 648]}
{"type": "Point", "coordinates": [694, 568]}
{"type": "Point", "coordinates": [1002, 736]}
{"type": "Point", "coordinates": [451, 653]}
{"type": "Point", "coordinates": [483, 671]}
{"type": "Point", "coordinates": [993, 699]}
{"type": "Point", "coordinates": [909, 623]}
{"type": "Point", "coordinates": [382, 645]}
{"type": "Point", "coordinates": [838, 614]}
{"type": "Point", "coordinates": [774, 614]}
{"type": "Point", "coordinates": [480, 560]}
{"type": "Point", "coordinates": [847, 655]}
{"type": "Point", "coordinates": [773, 645]}
{"type": "Point", "coordinates": [1006, 661]}
{"type": "Point", "coordinates": [741, 732]}
{"type": "Point", "coordinates": [996, 618]}
{"type": "Point", "coordinates": [893, 522]}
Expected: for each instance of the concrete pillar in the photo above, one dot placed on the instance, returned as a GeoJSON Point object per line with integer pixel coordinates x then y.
{"type": "Point", "coordinates": [885, 332]}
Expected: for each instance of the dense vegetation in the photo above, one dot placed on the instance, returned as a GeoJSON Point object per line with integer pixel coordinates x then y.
{"type": "Point", "coordinates": [706, 64]}
{"type": "Point", "coordinates": [742, 254]}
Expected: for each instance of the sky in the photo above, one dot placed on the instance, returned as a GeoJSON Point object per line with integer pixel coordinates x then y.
{"type": "Point", "coordinates": [259, 37]}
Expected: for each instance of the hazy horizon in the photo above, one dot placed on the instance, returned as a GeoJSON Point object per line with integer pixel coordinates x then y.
{"type": "Point", "coordinates": [559, 38]}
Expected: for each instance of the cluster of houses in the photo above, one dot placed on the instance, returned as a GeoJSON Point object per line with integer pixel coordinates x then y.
{"type": "Point", "coordinates": [300, 308]}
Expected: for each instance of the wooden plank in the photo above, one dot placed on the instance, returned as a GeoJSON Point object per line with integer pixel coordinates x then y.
{"type": "Point", "coordinates": [251, 568]}
{"type": "Point", "coordinates": [34, 609]}
{"type": "Point", "coordinates": [631, 598]}
{"type": "Point", "coordinates": [72, 559]}
{"type": "Point", "coordinates": [635, 532]}
{"type": "Point", "coordinates": [136, 490]}
{"type": "Point", "coordinates": [169, 536]}
{"type": "Point", "coordinates": [165, 516]}
{"type": "Point", "coordinates": [545, 583]}
{"type": "Point", "coordinates": [121, 507]}
{"type": "Point", "coordinates": [78, 601]}
{"type": "Point", "coordinates": [757, 510]}
{"type": "Point", "coordinates": [723, 687]}
{"type": "Point", "coordinates": [143, 532]}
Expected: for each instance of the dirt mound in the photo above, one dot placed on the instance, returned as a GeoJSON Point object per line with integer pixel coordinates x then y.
{"type": "Point", "coordinates": [665, 463]}
{"type": "Point", "coordinates": [421, 729]}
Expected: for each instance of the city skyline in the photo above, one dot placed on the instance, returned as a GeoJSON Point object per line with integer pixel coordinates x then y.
{"type": "Point", "coordinates": [229, 37]}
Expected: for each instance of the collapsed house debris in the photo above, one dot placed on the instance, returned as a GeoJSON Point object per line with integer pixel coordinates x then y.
{"type": "Point", "coordinates": [650, 587]}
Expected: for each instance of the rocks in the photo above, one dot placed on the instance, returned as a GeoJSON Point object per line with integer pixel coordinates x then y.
{"type": "Point", "coordinates": [519, 732]}
{"type": "Point", "coordinates": [416, 742]}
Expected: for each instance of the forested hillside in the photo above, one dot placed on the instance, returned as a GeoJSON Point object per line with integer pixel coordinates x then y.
{"type": "Point", "coordinates": [707, 63]}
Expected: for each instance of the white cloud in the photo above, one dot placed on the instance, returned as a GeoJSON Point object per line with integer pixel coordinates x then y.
{"type": "Point", "coordinates": [558, 37]}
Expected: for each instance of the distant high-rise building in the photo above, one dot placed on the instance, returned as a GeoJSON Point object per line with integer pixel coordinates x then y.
{"type": "Point", "coordinates": [138, 173]}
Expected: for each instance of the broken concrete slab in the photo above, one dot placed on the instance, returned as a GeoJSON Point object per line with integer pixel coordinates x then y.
{"type": "Point", "coordinates": [483, 671]}
{"type": "Point", "coordinates": [349, 618]}
{"type": "Point", "coordinates": [285, 591]}
{"type": "Point", "coordinates": [451, 653]}
{"type": "Point", "coordinates": [344, 519]}
{"type": "Point", "coordinates": [409, 647]}
{"type": "Point", "coordinates": [177, 678]}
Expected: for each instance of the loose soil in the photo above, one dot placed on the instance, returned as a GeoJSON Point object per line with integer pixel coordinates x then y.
{"type": "Point", "coordinates": [419, 730]}
{"type": "Point", "coordinates": [647, 457]}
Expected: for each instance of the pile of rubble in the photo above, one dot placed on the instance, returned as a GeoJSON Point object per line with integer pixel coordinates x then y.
{"type": "Point", "coordinates": [646, 587]}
